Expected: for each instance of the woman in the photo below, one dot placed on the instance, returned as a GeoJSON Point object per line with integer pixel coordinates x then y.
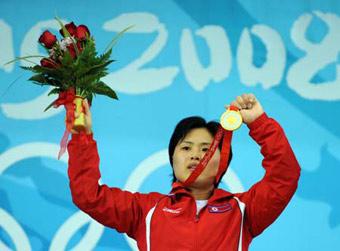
{"type": "Point", "coordinates": [200, 216]}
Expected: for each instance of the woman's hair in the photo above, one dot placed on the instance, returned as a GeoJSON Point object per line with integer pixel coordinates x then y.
{"type": "Point", "coordinates": [184, 127]}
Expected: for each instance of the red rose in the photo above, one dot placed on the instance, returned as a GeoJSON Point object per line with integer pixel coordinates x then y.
{"type": "Point", "coordinates": [72, 50]}
{"type": "Point", "coordinates": [71, 28]}
{"type": "Point", "coordinates": [80, 48]}
{"type": "Point", "coordinates": [48, 63]}
{"type": "Point", "coordinates": [82, 32]}
{"type": "Point", "coordinates": [47, 39]}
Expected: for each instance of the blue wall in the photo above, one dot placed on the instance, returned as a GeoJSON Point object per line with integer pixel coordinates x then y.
{"type": "Point", "coordinates": [181, 58]}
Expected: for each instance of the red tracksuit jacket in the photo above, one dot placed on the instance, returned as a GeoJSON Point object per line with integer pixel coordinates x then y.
{"type": "Point", "coordinates": [169, 222]}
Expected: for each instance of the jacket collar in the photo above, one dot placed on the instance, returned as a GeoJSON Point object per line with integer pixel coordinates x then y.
{"type": "Point", "coordinates": [179, 189]}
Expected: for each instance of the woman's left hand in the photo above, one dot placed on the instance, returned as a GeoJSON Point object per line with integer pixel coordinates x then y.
{"type": "Point", "coordinates": [250, 108]}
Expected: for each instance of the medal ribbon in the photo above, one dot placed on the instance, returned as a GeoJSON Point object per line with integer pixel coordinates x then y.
{"type": "Point", "coordinates": [225, 152]}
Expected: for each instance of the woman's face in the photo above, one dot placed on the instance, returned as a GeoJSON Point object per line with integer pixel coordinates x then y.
{"type": "Point", "coordinates": [189, 152]}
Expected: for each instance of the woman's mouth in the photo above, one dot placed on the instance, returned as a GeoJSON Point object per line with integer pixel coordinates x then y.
{"type": "Point", "coordinates": [192, 167]}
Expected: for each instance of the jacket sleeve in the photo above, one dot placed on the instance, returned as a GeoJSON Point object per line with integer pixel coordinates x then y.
{"type": "Point", "coordinates": [267, 199]}
{"type": "Point", "coordinates": [111, 207]}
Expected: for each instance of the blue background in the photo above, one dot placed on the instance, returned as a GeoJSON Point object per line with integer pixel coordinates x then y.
{"type": "Point", "coordinates": [157, 86]}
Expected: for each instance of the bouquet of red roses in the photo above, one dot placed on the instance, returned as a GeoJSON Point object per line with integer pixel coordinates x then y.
{"type": "Point", "coordinates": [74, 69]}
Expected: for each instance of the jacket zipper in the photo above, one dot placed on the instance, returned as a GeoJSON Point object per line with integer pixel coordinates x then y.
{"type": "Point", "coordinates": [196, 220]}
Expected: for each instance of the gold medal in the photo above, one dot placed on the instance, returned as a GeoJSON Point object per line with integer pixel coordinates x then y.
{"type": "Point", "coordinates": [231, 119]}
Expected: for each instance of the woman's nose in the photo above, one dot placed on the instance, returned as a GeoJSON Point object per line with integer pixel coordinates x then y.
{"type": "Point", "coordinates": [196, 156]}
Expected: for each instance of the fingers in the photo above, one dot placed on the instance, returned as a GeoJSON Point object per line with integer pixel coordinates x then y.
{"type": "Point", "coordinates": [86, 106]}
{"type": "Point", "coordinates": [245, 101]}
{"type": "Point", "coordinates": [241, 101]}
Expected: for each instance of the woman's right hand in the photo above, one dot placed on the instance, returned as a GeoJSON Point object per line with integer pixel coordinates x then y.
{"type": "Point", "coordinates": [88, 118]}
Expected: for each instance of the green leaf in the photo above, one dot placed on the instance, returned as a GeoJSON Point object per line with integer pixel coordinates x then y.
{"type": "Point", "coordinates": [90, 98]}
{"type": "Point", "coordinates": [38, 78]}
{"type": "Point", "coordinates": [102, 89]}
{"type": "Point", "coordinates": [98, 68]}
{"type": "Point", "coordinates": [28, 68]}
{"type": "Point", "coordinates": [106, 55]}
{"type": "Point", "coordinates": [115, 39]}
{"type": "Point", "coordinates": [10, 85]}
{"type": "Point", "coordinates": [49, 106]}
{"type": "Point", "coordinates": [67, 59]}
{"type": "Point", "coordinates": [42, 79]}
{"type": "Point", "coordinates": [54, 91]}
{"type": "Point", "coordinates": [24, 58]}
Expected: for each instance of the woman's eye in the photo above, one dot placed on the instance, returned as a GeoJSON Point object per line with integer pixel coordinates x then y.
{"type": "Point", "coordinates": [205, 149]}
{"type": "Point", "coordinates": [185, 148]}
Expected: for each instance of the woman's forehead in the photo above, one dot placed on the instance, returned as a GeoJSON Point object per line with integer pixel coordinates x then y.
{"type": "Point", "coordinates": [198, 135]}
